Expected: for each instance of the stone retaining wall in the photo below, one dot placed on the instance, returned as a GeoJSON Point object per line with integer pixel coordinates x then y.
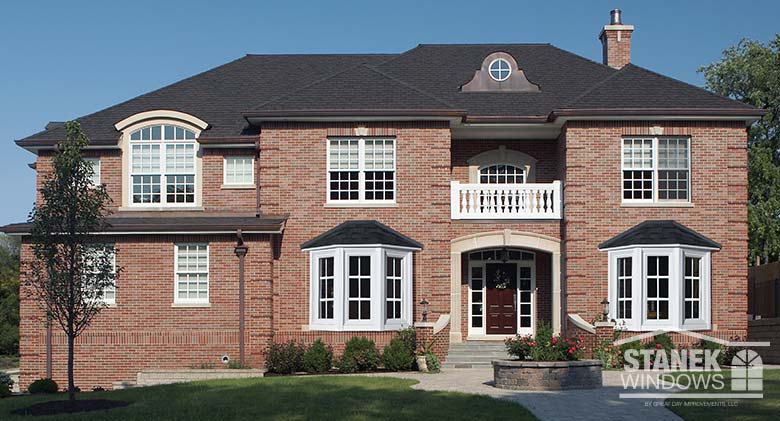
{"type": "Point", "coordinates": [155, 377]}
{"type": "Point", "coordinates": [552, 375]}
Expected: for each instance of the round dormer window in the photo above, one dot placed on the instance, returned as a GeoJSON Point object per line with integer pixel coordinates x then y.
{"type": "Point", "coordinates": [499, 70]}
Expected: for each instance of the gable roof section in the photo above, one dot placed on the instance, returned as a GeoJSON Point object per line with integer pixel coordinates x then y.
{"type": "Point", "coordinates": [354, 90]}
{"type": "Point", "coordinates": [361, 233]}
{"type": "Point", "coordinates": [655, 233]}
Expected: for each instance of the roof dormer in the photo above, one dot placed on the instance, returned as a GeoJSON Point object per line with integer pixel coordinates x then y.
{"type": "Point", "coordinates": [499, 73]}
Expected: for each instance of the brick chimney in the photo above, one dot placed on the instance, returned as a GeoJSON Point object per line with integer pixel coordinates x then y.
{"type": "Point", "coordinates": [616, 41]}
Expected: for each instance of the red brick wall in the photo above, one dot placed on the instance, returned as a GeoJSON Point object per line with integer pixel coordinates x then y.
{"type": "Point", "coordinates": [293, 180]}
{"type": "Point", "coordinates": [594, 213]}
{"type": "Point", "coordinates": [110, 172]}
{"type": "Point", "coordinates": [544, 151]}
{"type": "Point", "coordinates": [216, 197]}
{"type": "Point", "coordinates": [143, 330]}
{"type": "Point", "coordinates": [616, 53]}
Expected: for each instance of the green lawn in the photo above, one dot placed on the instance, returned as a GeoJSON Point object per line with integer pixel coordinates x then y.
{"type": "Point", "coordinates": [288, 398]}
{"type": "Point", "coordinates": [734, 409]}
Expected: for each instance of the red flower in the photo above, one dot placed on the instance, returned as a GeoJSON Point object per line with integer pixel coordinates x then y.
{"type": "Point", "coordinates": [658, 346]}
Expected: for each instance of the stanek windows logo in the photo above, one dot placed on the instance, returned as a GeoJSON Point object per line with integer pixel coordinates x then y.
{"type": "Point", "coordinates": [654, 369]}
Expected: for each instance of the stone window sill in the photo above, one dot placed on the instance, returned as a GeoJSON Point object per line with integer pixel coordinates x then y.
{"type": "Point", "coordinates": [191, 305]}
{"type": "Point", "coordinates": [657, 205]}
{"type": "Point", "coordinates": [361, 205]}
{"type": "Point", "coordinates": [238, 187]}
{"type": "Point", "coordinates": [160, 209]}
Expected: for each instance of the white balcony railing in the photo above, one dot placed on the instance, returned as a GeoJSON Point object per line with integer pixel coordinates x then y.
{"type": "Point", "coordinates": [507, 201]}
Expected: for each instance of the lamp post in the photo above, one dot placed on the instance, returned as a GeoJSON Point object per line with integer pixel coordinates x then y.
{"type": "Point", "coordinates": [604, 310]}
{"type": "Point", "coordinates": [424, 304]}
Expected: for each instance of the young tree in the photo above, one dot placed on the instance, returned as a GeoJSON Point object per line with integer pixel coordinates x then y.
{"type": "Point", "coordinates": [750, 72]}
{"type": "Point", "coordinates": [70, 268]}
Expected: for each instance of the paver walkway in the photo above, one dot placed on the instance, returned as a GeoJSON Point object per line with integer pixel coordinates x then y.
{"type": "Point", "coordinates": [595, 404]}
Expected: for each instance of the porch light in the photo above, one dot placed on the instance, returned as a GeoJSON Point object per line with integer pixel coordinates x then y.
{"type": "Point", "coordinates": [604, 310]}
{"type": "Point", "coordinates": [504, 255]}
{"type": "Point", "coordinates": [424, 304]}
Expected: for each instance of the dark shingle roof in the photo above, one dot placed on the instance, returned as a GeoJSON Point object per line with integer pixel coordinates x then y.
{"type": "Point", "coordinates": [659, 233]}
{"type": "Point", "coordinates": [177, 222]}
{"type": "Point", "coordinates": [361, 232]}
{"type": "Point", "coordinates": [425, 78]}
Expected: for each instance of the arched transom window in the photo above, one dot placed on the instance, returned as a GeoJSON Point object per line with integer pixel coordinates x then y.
{"type": "Point", "coordinates": [501, 174]}
{"type": "Point", "coordinates": [162, 165]}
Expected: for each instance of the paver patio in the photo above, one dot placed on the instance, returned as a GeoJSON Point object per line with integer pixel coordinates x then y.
{"type": "Point", "coordinates": [595, 404]}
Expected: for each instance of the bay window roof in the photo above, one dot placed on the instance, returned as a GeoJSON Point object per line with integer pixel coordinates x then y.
{"type": "Point", "coordinates": [657, 233]}
{"type": "Point", "coordinates": [354, 233]}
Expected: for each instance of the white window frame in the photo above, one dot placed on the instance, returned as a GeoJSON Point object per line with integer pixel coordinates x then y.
{"type": "Point", "coordinates": [500, 69]}
{"type": "Point", "coordinates": [378, 320]}
{"type": "Point", "coordinates": [655, 169]}
{"type": "Point", "coordinates": [190, 301]}
{"type": "Point", "coordinates": [361, 170]}
{"type": "Point", "coordinates": [95, 162]}
{"type": "Point", "coordinates": [225, 181]}
{"type": "Point", "coordinates": [163, 143]}
{"type": "Point", "coordinates": [676, 253]}
{"type": "Point", "coordinates": [111, 302]}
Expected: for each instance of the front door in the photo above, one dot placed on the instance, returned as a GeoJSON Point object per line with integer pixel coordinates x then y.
{"type": "Point", "coordinates": [501, 283]}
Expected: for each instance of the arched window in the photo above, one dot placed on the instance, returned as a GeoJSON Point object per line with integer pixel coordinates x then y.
{"type": "Point", "coordinates": [501, 174]}
{"type": "Point", "coordinates": [162, 165]}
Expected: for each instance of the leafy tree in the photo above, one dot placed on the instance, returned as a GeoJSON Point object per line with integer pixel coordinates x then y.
{"type": "Point", "coordinates": [750, 72]}
{"type": "Point", "coordinates": [70, 267]}
{"type": "Point", "coordinates": [9, 295]}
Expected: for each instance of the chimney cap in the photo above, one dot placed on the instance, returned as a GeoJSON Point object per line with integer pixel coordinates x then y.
{"type": "Point", "coordinates": [615, 17]}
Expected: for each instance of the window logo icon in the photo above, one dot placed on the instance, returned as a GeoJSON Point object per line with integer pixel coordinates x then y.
{"type": "Point", "coordinates": [747, 372]}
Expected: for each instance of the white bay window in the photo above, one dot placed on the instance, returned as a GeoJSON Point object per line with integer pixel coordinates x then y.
{"type": "Point", "coordinates": [660, 287]}
{"type": "Point", "coordinates": [360, 288]}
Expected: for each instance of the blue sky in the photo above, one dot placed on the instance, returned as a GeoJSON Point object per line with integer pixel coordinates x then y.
{"type": "Point", "coordinates": [60, 60]}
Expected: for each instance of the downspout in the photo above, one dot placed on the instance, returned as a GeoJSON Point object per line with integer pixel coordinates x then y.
{"type": "Point", "coordinates": [257, 178]}
{"type": "Point", "coordinates": [48, 347]}
{"type": "Point", "coordinates": [241, 251]}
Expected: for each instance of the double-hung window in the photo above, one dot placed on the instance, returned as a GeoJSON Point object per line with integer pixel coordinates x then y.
{"type": "Point", "coordinates": [656, 169]}
{"type": "Point", "coordinates": [97, 257]}
{"type": "Point", "coordinates": [162, 166]}
{"type": "Point", "coordinates": [192, 274]}
{"type": "Point", "coordinates": [361, 170]}
{"type": "Point", "coordinates": [95, 164]}
{"type": "Point", "coordinates": [660, 288]}
{"type": "Point", "coordinates": [360, 288]}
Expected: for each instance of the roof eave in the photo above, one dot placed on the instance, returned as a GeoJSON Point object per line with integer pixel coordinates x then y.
{"type": "Point", "coordinates": [455, 116]}
{"type": "Point", "coordinates": [735, 114]}
{"type": "Point", "coordinates": [37, 145]}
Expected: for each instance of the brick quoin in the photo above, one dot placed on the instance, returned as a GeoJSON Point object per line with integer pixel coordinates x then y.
{"type": "Point", "coordinates": [143, 331]}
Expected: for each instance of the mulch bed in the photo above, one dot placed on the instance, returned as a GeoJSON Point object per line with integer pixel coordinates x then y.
{"type": "Point", "coordinates": [69, 407]}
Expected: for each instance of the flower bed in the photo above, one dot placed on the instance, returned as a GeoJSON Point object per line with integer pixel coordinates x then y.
{"type": "Point", "coordinates": [546, 362]}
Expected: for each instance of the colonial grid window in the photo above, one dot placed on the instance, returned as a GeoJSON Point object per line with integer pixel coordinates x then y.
{"type": "Point", "coordinates": [361, 170]}
{"type": "Point", "coordinates": [95, 164]}
{"type": "Point", "coordinates": [656, 169]}
{"type": "Point", "coordinates": [360, 288]}
{"type": "Point", "coordinates": [192, 274]}
{"type": "Point", "coordinates": [162, 165]}
{"type": "Point", "coordinates": [239, 171]}
{"type": "Point", "coordinates": [92, 252]}
{"type": "Point", "coordinates": [660, 288]}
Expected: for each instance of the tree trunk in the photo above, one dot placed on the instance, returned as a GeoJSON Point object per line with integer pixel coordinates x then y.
{"type": "Point", "coordinates": [71, 386]}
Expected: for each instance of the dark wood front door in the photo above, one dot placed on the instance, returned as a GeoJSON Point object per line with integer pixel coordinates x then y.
{"type": "Point", "coordinates": [501, 298]}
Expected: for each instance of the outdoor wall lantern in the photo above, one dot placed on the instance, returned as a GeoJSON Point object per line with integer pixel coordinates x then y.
{"type": "Point", "coordinates": [604, 310]}
{"type": "Point", "coordinates": [424, 304]}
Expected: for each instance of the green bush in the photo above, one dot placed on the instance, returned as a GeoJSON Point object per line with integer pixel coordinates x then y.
{"type": "Point", "coordinates": [544, 346]}
{"type": "Point", "coordinates": [285, 358]}
{"type": "Point", "coordinates": [236, 365]}
{"type": "Point", "coordinates": [43, 386]}
{"type": "Point", "coordinates": [432, 361]}
{"type": "Point", "coordinates": [5, 384]}
{"type": "Point", "coordinates": [409, 337]}
{"type": "Point", "coordinates": [397, 356]}
{"type": "Point", "coordinates": [633, 345]}
{"type": "Point", "coordinates": [609, 355]}
{"type": "Point", "coordinates": [714, 346]}
{"type": "Point", "coordinates": [318, 358]}
{"type": "Point", "coordinates": [360, 354]}
{"type": "Point", "coordinates": [661, 341]}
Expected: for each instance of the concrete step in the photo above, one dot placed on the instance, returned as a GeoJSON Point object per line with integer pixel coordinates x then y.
{"type": "Point", "coordinates": [452, 354]}
{"type": "Point", "coordinates": [448, 365]}
{"type": "Point", "coordinates": [472, 359]}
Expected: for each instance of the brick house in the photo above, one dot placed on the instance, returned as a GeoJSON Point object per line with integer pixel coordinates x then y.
{"type": "Point", "coordinates": [296, 197]}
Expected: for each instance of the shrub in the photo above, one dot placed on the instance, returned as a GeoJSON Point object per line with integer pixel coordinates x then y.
{"type": "Point", "coordinates": [5, 384]}
{"type": "Point", "coordinates": [397, 356]}
{"type": "Point", "coordinates": [409, 337]}
{"type": "Point", "coordinates": [43, 386]}
{"type": "Point", "coordinates": [433, 362]}
{"type": "Point", "coordinates": [633, 345]}
{"type": "Point", "coordinates": [714, 346]}
{"type": "Point", "coordinates": [544, 346]}
{"type": "Point", "coordinates": [318, 358]}
{"type": "Point", "coordinates": [609, 355]}
{"type": "Point", "coordinates": [285, 358]}
{"type": "Point", "coordinates": [98, 389]}
{"type": "Point", "coordinates": [661, 341]}
{"type": "Point", "coordinates": [360, 354]}
{"type": "Point", "coordinates": [236, 365]}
